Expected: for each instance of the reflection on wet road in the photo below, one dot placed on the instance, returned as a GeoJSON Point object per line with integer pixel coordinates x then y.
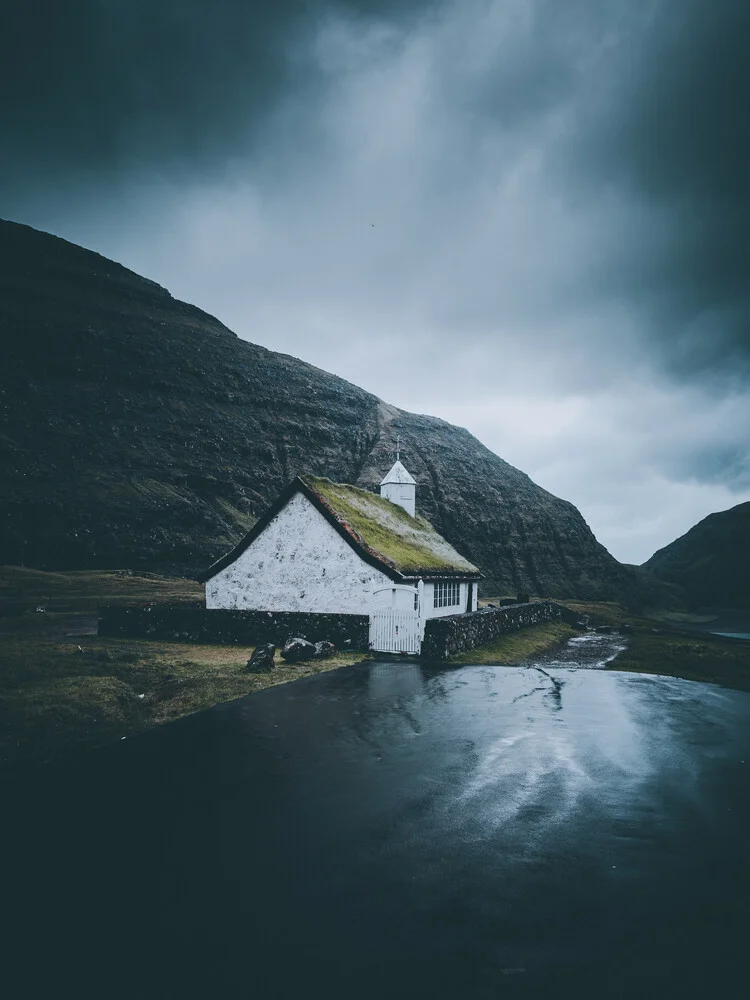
{"type": "Point", "coordinates": [395, 830]}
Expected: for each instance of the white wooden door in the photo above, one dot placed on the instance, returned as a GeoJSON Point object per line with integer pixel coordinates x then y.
{"type": "Point", "coordinates": [393, 630]}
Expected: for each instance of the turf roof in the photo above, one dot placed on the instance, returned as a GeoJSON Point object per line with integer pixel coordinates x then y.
{"type": "Point", "coordinates": [408, 544]}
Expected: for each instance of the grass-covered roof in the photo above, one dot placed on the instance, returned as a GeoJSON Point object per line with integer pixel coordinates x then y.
{"type": "Point", "coordinates": [410, 545]}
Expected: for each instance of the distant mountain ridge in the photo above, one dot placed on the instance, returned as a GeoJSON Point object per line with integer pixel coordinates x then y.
{"type": "Point", "coordinates": [136, 430]}
{"type": "Point", "coordinates": [711, 562]}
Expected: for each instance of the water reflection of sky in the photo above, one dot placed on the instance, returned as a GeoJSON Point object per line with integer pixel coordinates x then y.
{"type": "Point", "coordinates": [407, 830]}
{"type": "Point", "coordinates": [590, 783]}
{"type": "Point", "coordinates": [388, 682]}
{"type": "Point", "coordinates": [544, 741]}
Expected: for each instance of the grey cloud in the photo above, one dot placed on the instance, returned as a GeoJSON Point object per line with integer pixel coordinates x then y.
{"type": "Point", "coordinates": [518, 198]}
{"type": "Point", "coordinates": [527, 216]}
{"type": "Point", "coordinates": [100, 87]}
{"type": "Point", "coordinates": [676, 139]}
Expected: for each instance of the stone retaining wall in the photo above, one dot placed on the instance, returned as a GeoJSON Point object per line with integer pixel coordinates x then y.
{"type": "Point", "coordinates": [186, 623]}
{"type": "Point", "coordinates": [456, 634]}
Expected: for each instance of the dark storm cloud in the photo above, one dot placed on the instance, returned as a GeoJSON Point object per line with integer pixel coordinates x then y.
{"type": "Point", "coordinates": [529, 217]}
{"type": "Point", "coordinates": [674, 134]}
{"type": "Point", "coordinates": [97, 86]}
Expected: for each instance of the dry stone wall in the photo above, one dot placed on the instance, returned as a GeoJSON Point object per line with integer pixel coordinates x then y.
{"type": "Point", "coordinates": [188, 623]}
{"type": "Point", "coordinates": [445, 637]}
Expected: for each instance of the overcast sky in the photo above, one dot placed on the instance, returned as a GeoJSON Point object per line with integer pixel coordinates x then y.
{"type": "Point", "coordinates": [528, 217]}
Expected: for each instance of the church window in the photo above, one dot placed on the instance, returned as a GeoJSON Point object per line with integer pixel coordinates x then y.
{"type": "Point", "coordinates": [446, 595]}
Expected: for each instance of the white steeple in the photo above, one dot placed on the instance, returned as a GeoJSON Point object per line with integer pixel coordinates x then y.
{"type": "Point", "coordinates": [399, 486]}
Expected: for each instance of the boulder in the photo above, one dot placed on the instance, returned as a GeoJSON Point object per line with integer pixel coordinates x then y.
{"type": "Point", "coordinates": [262, 658]}
{"type": "Point", "coordinates": [297, 648]}
{"type": "Point", "coordinates": [324, 649]}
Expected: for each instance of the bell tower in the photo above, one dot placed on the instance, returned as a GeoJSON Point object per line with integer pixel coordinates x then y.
{"type": "Point", "coordinates": [399, 486]}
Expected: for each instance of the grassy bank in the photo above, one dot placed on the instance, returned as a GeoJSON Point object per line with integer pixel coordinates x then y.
{"type": "Point", "coordinates": [694, 656]}
{"type": "Point", "coordinates": [517, 646]}
{"type": "Point", "coordinates": [63, 688]}
{"type": "Point", "coordinates": [658, 645]}
{"type": "Point", "coordinates": [23, 589]}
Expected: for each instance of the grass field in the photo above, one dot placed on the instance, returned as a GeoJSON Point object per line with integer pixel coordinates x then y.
{"type": "Point", "coordinates": [23, 589]}
{"type": "Point", "coordinates": [659, 645]}
{"type": "Point", "coordinates": [518, 646]}
{"type": "Point", "coordinates": [656, 645]}
{"type": "Point", "coordinates": [63, 688]}
{"type": "Point", "coordinates": [694, 656]}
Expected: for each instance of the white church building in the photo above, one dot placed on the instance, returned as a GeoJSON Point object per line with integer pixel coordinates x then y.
{"type": "Point", "coordinates": [332, 548]}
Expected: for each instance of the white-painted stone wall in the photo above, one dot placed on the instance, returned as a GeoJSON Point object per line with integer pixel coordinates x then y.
{"type": "Point", "coordinates": [299, 562]}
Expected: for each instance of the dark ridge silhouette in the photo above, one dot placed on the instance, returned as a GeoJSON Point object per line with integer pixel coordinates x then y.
{"type": "Point", "coordinates": [710, 561]}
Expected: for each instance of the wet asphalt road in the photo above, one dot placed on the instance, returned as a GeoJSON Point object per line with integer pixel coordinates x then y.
{"type": "Point", "coordinates": [391, 830]}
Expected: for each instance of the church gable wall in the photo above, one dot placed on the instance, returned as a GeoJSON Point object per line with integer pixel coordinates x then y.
{"type": "Point", "coordinates": [299, 562]}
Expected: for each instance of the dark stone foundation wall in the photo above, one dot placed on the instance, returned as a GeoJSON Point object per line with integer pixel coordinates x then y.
{"type": "Point", "coordinates": [456, 634]}
{"type": "Point", "coordinates": [187, 623]}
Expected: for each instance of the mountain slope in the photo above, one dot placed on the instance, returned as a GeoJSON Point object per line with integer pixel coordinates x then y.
{"type": "Point", "coordinates": [137, 430]}
{"type": "Point", "coordinates": [711, 560]}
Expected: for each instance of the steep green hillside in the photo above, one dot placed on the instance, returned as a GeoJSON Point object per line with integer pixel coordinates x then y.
{"type": "Point", "coordinates": [138, 431]}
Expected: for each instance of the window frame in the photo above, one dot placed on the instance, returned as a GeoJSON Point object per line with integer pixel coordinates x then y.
{"type": "Point", "coordinates": [446, 594]}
